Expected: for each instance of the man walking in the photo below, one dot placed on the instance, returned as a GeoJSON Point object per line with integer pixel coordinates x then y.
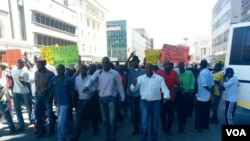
{"type": "Point", "coordinates": [150, 86]}
{"type": "Point", "coordinates": [20, 77]}
{"type": "Point", "coordinates": [108, 83]}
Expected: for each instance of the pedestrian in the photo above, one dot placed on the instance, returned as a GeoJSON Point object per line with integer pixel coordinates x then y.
{"type": "Point", "coordinates": [203, 96]}
{"type": "Point", "coordinates": [231, 85]}
{"type": "Point", "coordinates": [43, 98]}
{"type": "Point", "coordinates": [108, 83]}
{"type": "Point", "coordinates": [85, 104]}
{"type": "Point", "coordinates": [150, 86]}
{"type": "Point", "coordinates": [184, 97]}
{"type": "Point", "coordinates": [134, 97]}
{"type": "Point", "coordinates": [217, 92]}
{"type": "Point", "coordinates": [169, 108]}
{"type": "Point", "coordinates": [62, 87]}
{"type": "Point", "coordinates": [70, 72]}
{"type": "Point", "coordinates": [5, 111]}
{"type": "Point", "coordinates": [195, 70]}
{"type": "Point", "coordinates": [21, 95]}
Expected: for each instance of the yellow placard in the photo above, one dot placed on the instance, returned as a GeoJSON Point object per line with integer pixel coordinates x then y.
{"type": "Point", "coordinates": [46, 52]}
{"type": "Point", "coordinates": [152, 56]}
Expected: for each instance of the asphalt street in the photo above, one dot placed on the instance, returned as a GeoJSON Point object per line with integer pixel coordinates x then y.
{"type": "Point", "coordinates": [124, 130]}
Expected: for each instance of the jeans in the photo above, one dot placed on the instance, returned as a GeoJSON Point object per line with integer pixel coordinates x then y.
{"type": "Point", "coordinates": [214, 107]}
{"type": "Point", "coordinates": [62, 113]}
{"type": "Point", "coordinates": [149, 110]}
{"type": "Point", "coordinates": [135, 111]}
{"type": "Point", "coordinates": [6, 114]}
{"type": "Point", "coordinates": [86, 108]}
{"type": "Point", "coordinates": [40, 105]}
{"type": "Point", "coordinates": [108, 110]}
{"type": "Point", "coordinates": [18, 101]}
{"type": "Point", "coordinates": [202, 114]}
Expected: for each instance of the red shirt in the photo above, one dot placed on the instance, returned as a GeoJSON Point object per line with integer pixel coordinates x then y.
{"type": "Point", "coordinates": [123, 80]}
{"type": "Point", "coordinates": [170, 79]}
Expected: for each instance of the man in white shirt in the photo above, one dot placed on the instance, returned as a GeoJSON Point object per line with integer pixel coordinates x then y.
{"type": "Point", "coordinates": [20, 77]}
{"type": "Point", "coordinates": [202, 103]}
{"type": "Point", "coordinates": [150, 86]}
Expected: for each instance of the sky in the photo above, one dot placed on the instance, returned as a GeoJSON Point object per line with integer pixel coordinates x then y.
{"type": "Point", "coordinates": [167, 21]}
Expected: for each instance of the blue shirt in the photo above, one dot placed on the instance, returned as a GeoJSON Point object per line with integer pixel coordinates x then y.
{"type": "Point", "coordinates": [62, 89]}
{"type": "Point", "coordinates": [132, 74]}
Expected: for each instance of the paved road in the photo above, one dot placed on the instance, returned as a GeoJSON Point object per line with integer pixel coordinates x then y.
{"type": "Point", "coordinates": [124, 130]}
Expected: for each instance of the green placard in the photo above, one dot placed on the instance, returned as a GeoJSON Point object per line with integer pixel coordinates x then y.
{"type": "Point", "coordinates": [66, 55]}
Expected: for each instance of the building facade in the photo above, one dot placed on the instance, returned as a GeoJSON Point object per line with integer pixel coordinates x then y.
{"type": "Point", "coordinates": [29, 25]}
{"type": "Point", "coordinates": [91, 23]}
{"type": "Point", "coordinates": [224, 14]}
{"type": "Point", "coordinates": [200, 48]}
{"type": "Point", "coordinates": [122, 40]}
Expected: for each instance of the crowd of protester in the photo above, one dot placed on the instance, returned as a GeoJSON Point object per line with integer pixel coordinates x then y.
{"type": "Point", "coordinates": [68, 98]}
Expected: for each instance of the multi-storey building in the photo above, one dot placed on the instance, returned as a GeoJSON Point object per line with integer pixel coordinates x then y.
{"type": "Point", "coordinates": [145, 34]}
{"type": "Point", "coordinates": [29, 25]}
{"type": "Point", "coordinates": [225, 13]}
{"type": "Point", "coordinates": [122, 40]}
{"type": "Point", "coordinates": [91, 23]}
{"type": "Point", "coordinates": [200, 48]}
{"type": "Point", "coordinates": [245, 13]}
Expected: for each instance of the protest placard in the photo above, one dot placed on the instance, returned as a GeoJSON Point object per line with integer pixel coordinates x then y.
{"type": "Point", "coordinates": [11, 56]}
{"type": "Point", "coordinates": [152, 55]}
{"type": "Point", "coordinates": [66, 55]}
{"type": "Point", "coordinates": [175, 53]}
{"type": "Point", "coordinates": [46, 52]}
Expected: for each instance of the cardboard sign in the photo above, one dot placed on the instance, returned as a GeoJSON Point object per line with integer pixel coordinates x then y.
{"type": "Point", "coordinates": [152, 55]}
{"type": "Point", "coordinates": [11, 56]}
{"type": "Point", "coordinates": [46, 52]}
{"type": "Point", "coordinates": [175, 53]}
{"type": "Point", "coordinates": [66, 55]}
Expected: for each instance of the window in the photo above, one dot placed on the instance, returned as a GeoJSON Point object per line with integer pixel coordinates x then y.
{"type": "Point", "coordinates": [80, 2]}
{"type": "Point", "coordinates": [65, 2]}
{"type": "Point", "coordinates": [59, 25]}
{"type": "Point", "coordinates": [38, 18]}
{"type": "Point", "coordinates": [47, 20]}
{"type": "Point", "coordinates": [49, 41]}
{"type": "Point", "coordinates": [240, 47]}
{"type": "Point", "coordinates": [22, 22]}
{"type": "Point", "coordinates": [42, 20]}
{"type": "Point", "coordinates": [52, 23]}
{"type": "Point", "coordinates": [88, 22]}
{"type": "Point", "coordinates": [39, 39]}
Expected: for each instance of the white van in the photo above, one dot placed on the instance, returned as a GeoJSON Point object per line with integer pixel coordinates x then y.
{"type": "Point", "coordinates": [238, 58]}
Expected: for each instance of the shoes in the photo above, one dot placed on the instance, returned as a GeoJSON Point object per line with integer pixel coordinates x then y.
{"type": "Point", "coordinates": [135, 133]}
{"type": "Point", "coordinates": [38, 131]}
{"type": "Point", "coordinates": [96, 132]}
{"type": "Point", "coordinates": [11, 131]}
{"type": "Point", "coordinates": [51, 134]}
{"type": "Point", "coordinates": [213, 121]}
{"type": "Point", "coordinates": [169, 132]}
{"type": "Point", "coordinates": [20, 128]}
{"type": "Point", "coordinates": [181, 129]}
{"type": "Point", "coordinates": [195, 131]}
{"type": "Point", "coordinates": [40, 134]}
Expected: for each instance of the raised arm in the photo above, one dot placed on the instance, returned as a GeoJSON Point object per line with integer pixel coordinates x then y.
{"type": "Point", "coordinates": [130, 56]}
